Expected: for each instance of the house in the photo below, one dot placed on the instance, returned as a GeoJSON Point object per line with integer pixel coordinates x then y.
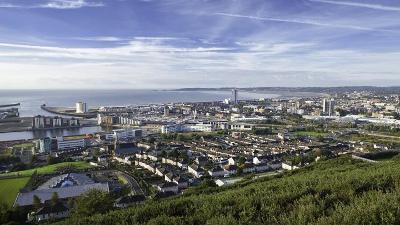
{"type": "Point", "coordinates": [48, 212]}
{"type": "Point", "coordinates": [161, 171]}
{"type": "Point", "coordinates": [130, 200]}
{"type": "Point", "coordinates": [289, 166]}
{"type": "Point", "coordinates": [249, 168]}
{"type": "Point", "coordinates": [181, 181]}
{"type": "Point", "coordinates": [260, 159]}
{"type": "Point", "coordinates": [262, 167]}
{"type": "Point", "coordinates": [168, 187]}
{"type": "Point", "coordinates": [103, 158]}
{"type": "Point", "coordinates": [183, 164]}
{"type": "Point", "coordinates": [216, 172]}
{"type": "Point", "coordinates": [196, 170]}
{"type": "Point", "coordinates": [230, 169]}
{"type": "Point", "coordinates": [275, 165]}
{"type": "Point", "coordinates": [149, 166]}
{"type": "Point", "coordinates": [201, 161]}
{"type": "Point", "coordinates": [233, 160]}
{"type": "Point", "coordinates": [169, 177]}
{"type": "Point", "coordinates": [152, 156]}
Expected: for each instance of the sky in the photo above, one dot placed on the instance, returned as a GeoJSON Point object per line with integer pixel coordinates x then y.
{"type": "Point", "coordinates": [162, 44]}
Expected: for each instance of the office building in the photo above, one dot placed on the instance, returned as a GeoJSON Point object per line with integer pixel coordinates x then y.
{"type": "Point", "coordinates": [45, 145]}
{"type": "Point", "coordinates": [81, 107]}
{"type": "Point", "coordinates": [328, 107]}
{"type": "Point", "coordinates": [70, 143]}
{"type": "Point", "coordinates": [235, 94]}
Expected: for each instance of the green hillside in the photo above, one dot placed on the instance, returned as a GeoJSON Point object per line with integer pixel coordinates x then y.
{"type": "Point", "coordinates": [340, 191]}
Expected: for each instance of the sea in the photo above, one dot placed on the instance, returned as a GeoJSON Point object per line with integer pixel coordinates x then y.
{"type": "Point", "coordinates": [31, 100]}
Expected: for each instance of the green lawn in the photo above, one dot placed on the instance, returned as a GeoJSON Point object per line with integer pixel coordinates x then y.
{"type": "Point", "coordinates": [24, 145]}
{"type": "Point", "coordinates": [9, 189]}
{"type": "Point", "coordinates": [50, 168]}
{"type": "Point", "coordinates": [310, 133]}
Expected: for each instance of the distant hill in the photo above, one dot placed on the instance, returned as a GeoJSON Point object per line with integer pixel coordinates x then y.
{"type": "Point", "coordinates": [381, 90]}
{"type": "Point", "coordinates": [339, 191]}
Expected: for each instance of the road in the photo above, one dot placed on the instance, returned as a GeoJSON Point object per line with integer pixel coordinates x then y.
{"type": "Point", "coordinates": [133, 184]}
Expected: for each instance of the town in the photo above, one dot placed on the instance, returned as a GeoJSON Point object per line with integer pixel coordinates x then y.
{"type": "Point", "coordinates": [158, 151]}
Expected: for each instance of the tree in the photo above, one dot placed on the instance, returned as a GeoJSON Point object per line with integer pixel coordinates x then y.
{"type": "Point", "coordinates": [51, 160]}
{"type": "Point", "coordinates": [54, 199]}
{"type": "Point", "coordinates": [37, 203]}
{"type": "Point", "coordinates": [93, 202]}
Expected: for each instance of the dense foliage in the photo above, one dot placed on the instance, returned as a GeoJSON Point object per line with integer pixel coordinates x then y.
{"type": "Point", "coordinates": [93, 202]}
{"type": "Point", "coordinates": [340, 191]}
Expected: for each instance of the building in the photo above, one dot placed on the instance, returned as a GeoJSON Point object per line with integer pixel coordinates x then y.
{"type": "Point", "coordinates": [70, 143]}
{"type": "Point", "coordinates": [47, 212]}
{"type": "Point", "coordinates": [127, 134]}
{"type": "Point", "coordinates": [166, 111]}
{"type": "Point", "coordinates": [81, 107]}
{"type": "Point", "coordinates": [66, 186]}
{"type": "Point", "coordinates": [196, 170]}
{"type": "Point", "coordinates": [235, 93]}
{"type": "Point", "coordinates": [328, 107]}
{"type": "Point", "coordinates": [45, 145]}
{"type": "Point", "coordinates": [168, 187]}
{"type": "Point", "coordinates": [130, 200]}
{"type": "Point", "coordinates": [46, 122]}
{"type": "Point", "coordinates": [216, 172]}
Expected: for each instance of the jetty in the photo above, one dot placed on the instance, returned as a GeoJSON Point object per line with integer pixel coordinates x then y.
{"type": "Point", "coordinates": [10, 105]}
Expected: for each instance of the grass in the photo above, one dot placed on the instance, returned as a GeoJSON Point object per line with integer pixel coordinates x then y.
{"type": "Point", "coordinates": [50, 169]}
{"type": "Point", "coordinates": [9, 189]}
{"type": "Point", "coordinates": [311, 133]}
{"type": "Point", "coordinates": [375, 139]}
{"type": "Point", "coordinates": [24, 145]}
{"type": "Point", "coordinates": [122, 179]}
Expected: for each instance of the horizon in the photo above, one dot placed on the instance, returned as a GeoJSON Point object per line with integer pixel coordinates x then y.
{"type": "Point", "coordinates": [188, 88]}
{"type": "Point", "coordinates": [170, 44]}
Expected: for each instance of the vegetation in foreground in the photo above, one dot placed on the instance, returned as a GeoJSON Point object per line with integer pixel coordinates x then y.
{"type": "Point", "coordinates": [339, 191]}
{"type": "Point", "coordinates": [9, 189]}
{"type": "Point", "coordinates": [50, 168]}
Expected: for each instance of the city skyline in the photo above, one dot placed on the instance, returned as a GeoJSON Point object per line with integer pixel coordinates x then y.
{"type": "Point", "coordinates": [174, 43]}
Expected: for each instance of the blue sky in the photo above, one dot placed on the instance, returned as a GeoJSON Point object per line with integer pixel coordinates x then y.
{"type": "Point", "coordinates": [198, 43]}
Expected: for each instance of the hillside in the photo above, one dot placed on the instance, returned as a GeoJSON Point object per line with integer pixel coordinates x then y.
{"type": "Point", "coordinates": [339, 191]}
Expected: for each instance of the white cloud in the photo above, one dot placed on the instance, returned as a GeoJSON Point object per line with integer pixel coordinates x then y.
{"type": "Point", "coordinates": [304, 22]}
{"type": "Point", "coordinates": [56, 4]}
{"type": "Point", "coordinates": [71, 4]}
{"type": "Point", "coordinates": [358, 4]}
{"type": "Point", "coordinates": [155, 64]}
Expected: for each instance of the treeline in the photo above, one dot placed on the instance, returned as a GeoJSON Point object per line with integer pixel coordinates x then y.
{"type": "Point", "coordinates": [340, 191]}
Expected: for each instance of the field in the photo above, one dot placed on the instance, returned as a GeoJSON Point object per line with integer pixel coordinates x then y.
{"type": "Point", "coordinates": [310, 133]}
{"type": "Point", "coordinates": [24, 145]}
{"type": "Point", "coordinates": [50, 168]}
{"type": "Point", "coordinates": [9, 189]}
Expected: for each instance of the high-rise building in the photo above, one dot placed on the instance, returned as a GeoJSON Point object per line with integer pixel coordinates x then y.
{"type": "Point", "coordinates": [45, 145]}
{"type": "Point", "coordinates": [235, 94]}
{"type": "Point", "coordinates": [166, 111]}
{"type": "Point", "coordinates": [81, 107]}
{"type": "Point", "coordinates": [328, 107]}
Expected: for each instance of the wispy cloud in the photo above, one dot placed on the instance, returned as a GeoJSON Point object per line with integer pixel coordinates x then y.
{"type": "Point", "coordinates": [304, 22]}
{"type": "Point", "coordinates": [358, 4]}
{"type": "Point", "coordinates": [55, 4]}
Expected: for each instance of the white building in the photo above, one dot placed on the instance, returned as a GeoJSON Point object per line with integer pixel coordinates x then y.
{"type": "Point", "coordinates": [328, 106]}
{"type": "Point", "coordinates": [63, 144]}
{"type": "Point", "coordinates": [127, 133]}
{"type": "Point", "coordinates": [81, 107]}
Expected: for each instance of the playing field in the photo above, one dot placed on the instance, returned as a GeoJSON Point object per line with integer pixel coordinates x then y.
{"type": "Point", "coordinates": [50, 168]}
{"type": "Point", "coordinates": [9, 189]}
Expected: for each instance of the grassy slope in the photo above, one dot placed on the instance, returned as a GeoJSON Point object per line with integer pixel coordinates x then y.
{"type": "Point", "coordinates": [340, 191]}
{"type": "Point", "coordinates": [49, 169]}
{"type": "Point", "coordinates": [9, 189]}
